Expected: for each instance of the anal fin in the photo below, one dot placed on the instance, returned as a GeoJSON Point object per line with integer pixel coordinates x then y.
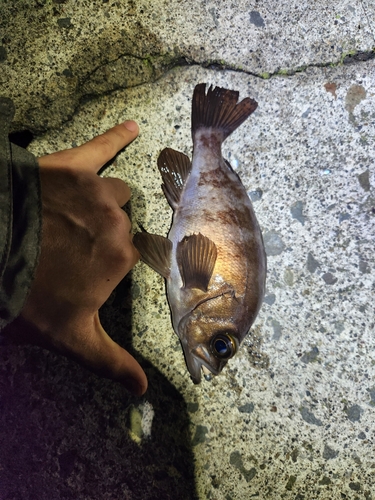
{"type": "Point", "coordinates": [155, 251]}
{"type": "Point", "coordinates": [196, 257]}
{"type": "Point", "coordinates": [174, 168]}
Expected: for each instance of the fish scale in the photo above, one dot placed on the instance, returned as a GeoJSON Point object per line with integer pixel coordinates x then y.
{"type": "Point", "coordinates": [210, 212]}
{"type": "Point", "coordinates": [213, 259]}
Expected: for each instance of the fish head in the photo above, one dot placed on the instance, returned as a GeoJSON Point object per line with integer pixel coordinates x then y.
{"type": "Point", "coordinates": [208, 349]}
{"type": "Point", "coordinates": [210, 335]}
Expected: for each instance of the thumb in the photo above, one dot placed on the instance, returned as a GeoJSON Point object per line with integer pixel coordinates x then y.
{"type": "Point", "coordinates": [85, 341]}
{"type": "Point", "coordinates": [94, 349]}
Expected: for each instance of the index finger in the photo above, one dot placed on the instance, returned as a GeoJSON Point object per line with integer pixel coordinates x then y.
{"type": "Point", "coordinates": [94, 154]}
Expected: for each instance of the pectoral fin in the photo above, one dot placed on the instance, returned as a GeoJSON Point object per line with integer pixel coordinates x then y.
{"type": "Point", "coordinates": [174, 168]}
{"type": "Point", "coordinates": [155, 251]}
{"type": "Point", "coordinates": [196, 257]}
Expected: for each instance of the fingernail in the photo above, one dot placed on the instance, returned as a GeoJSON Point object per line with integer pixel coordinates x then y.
{"type": "Point", "coordinates": [131, 125]}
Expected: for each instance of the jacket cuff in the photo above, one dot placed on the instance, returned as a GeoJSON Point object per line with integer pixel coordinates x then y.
{"type": "Point", "coordinates": [20, 219]}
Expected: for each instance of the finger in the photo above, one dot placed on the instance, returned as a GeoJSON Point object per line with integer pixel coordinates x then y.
{"type": "Point", "coordinates": [94, 154]}
{"type": "Point", "coordinates": [118, 189]}
{"type": "Point", "coordinates": [98, 352]}
{"type": "Point", "coordinates": [86, 342]}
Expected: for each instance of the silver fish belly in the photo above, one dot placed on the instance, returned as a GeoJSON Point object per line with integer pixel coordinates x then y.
{"type": "Point", "coordinates": [213, 260]}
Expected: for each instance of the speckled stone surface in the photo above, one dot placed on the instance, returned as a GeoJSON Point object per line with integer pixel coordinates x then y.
{"type": "Point", "coordinates": [292, 416]}
{"type": "Point", "coordinates": [56, 54]}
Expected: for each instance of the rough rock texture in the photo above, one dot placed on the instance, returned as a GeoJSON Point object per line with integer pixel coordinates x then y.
{"type": "Point", "coordinates": [293, 414]}
{"type": "Point", "coordinates": [56, 54]}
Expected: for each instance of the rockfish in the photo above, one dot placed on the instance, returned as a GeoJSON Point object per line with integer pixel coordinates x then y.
{"type": "Point", "coordinates": [213, 260]}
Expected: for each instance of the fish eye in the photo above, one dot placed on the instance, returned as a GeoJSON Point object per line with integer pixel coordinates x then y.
{"type": "Point", "coordinates": [223, 346]}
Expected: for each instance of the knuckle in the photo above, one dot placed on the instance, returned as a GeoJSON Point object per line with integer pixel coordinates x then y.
{"type": "Point", "coordinates": [84, 183]}
{"type": "Point", "coordinates": [125, 256]}
{"type": "Point", "coordinates": [117, 225]}
{"type": "Point", "coordinates": [113, 216]}
{"type": "Point", "coordinates": [105, 143]}
{"type": "Point", "coordinates": [117, 219]}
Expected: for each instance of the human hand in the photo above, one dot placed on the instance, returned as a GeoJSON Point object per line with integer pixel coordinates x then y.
{"type": "Point", "coordinates": [86, 250]}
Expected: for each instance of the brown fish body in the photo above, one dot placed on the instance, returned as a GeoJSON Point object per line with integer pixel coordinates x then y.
{"type": "Point", "coordinates": [215, 263]}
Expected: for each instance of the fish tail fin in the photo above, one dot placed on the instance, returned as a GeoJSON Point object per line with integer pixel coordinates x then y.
{"type": "Point", "coordinates": [219, 109]}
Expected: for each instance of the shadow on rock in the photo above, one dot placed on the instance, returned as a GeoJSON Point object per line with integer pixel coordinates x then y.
{"type": "Point", "coordinates": [67, 434]}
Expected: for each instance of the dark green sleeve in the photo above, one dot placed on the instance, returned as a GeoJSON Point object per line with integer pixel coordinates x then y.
{"type": "Point", "coordinates": [20, 220]}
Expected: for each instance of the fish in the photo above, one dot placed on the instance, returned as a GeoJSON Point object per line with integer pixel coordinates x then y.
{"type": "Point", "coordinates": [213, 259]}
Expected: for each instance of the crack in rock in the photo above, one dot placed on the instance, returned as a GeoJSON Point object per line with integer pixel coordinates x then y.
{"type": "Point", "coordinates": [128, 71]}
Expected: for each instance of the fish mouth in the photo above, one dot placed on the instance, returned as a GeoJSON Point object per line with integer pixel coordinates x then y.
{"type": "Point", "coordinates": [207, 373]}
{"type": "Point", "coordinates": [199, 361]}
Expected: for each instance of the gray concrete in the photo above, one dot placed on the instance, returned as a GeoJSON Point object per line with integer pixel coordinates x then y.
{"type": "Point", "coordinates": [292, 415]}
{"type": "Point", "coordinates": [57, 53]}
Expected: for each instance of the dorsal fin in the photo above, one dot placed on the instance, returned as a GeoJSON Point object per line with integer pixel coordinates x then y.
{"type": "Point", "coordinates": [219, 109]}
{"type": "Point", "coordinates": [174, 167]}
